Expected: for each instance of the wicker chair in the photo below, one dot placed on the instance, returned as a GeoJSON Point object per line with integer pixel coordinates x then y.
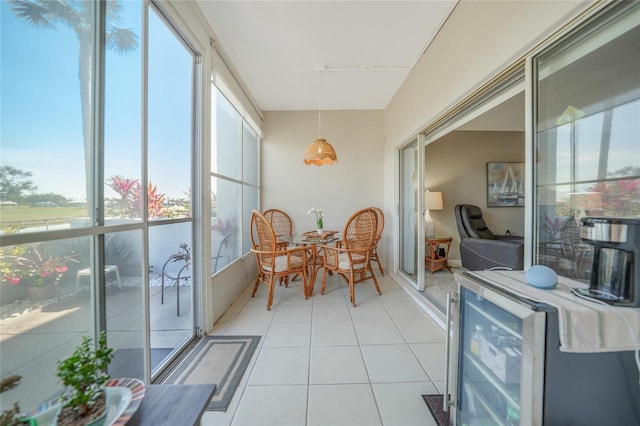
{"type": "Point", "coordinates": [273, 262]}
{"type": "Point", "coordinates": [352, 258]}
{"type": "Point", "coordinates": [283, 227]}
{"type": "Point", "coordinates": [281, 223]}
{"type": "Point", "coordinates": [374, 251]}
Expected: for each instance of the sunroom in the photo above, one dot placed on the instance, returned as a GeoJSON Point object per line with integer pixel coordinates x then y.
{"type": "Point", "coordinates": [129, 175]}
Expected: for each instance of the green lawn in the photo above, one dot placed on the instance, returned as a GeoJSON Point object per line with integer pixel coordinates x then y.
{"type": "Point", "coordinates": [16, 217]}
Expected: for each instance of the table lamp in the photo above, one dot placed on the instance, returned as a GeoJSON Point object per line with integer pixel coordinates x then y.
{"type": "Point", "coordinates": [432, 201]}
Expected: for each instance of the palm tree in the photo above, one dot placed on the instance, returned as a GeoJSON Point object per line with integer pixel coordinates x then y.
{"type": "Point", "coordinates": [79, 16]}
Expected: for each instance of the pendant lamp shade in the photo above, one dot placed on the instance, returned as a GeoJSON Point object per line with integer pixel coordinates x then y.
{"type": "Point", "coordinates": [320, 152]}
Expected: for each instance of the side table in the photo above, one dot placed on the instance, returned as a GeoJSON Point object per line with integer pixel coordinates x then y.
{"type": "Point", "coordinates": [432, 260]}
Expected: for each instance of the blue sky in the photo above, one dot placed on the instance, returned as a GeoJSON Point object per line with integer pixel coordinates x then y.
{"type": "Point", "coordinates": [41, 123]}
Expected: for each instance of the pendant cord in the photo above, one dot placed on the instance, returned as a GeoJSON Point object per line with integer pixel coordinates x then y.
{"type": "Point", "coordinates": [319, 104]}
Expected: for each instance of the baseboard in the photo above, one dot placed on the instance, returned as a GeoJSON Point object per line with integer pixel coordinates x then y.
{"type": "Point", "coordinates": [456, 263]}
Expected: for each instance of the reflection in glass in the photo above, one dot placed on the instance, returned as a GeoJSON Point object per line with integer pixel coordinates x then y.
{"type": "Point", "coordinates": [588, 155]}
{"type": "Point", "coordinates": [224, 223]}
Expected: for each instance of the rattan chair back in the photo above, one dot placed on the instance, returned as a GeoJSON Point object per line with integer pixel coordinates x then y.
{"type": "Point", "coordinates": [360, 231]}
{"type": "Point", "coordinates": [263, 237]}
{"type": "Point", "coordinates": [280, 222]}
{"type": "Point", "coordinates": [380, 219]}
{"type": "Point", "coordinates": [274, 262]}
{"type": "Point", "coordinates": [352, 259]}
{"type": "Point", "coordinates": [374, 252]}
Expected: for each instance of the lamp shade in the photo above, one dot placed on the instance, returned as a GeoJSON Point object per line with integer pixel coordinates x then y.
{"type": "Point", "coordinates": [320, 152]}
{"type": "Point", "coordinates": [433, 200]}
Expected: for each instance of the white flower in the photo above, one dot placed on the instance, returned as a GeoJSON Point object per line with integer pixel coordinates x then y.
{"type": "Point", "coordinates": [318, 213]}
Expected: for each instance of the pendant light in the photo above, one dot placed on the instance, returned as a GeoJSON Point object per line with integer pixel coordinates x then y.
{"type": "Point", "coordinates": [320, 151]}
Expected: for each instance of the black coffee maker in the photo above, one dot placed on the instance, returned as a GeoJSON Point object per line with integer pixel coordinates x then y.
{"type": "Point", "coordinates": [615, 273]}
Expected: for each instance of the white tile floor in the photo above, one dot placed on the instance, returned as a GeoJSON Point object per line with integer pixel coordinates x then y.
{"type": "Point", "coordinates": [323, 362]}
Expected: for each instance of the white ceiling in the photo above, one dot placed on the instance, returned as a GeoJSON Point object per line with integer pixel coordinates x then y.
{"type": "Point", "coordinates": [367, 48]}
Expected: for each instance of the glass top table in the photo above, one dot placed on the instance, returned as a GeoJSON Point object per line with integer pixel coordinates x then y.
{"type": "Point", "coordinates": [315, 260]}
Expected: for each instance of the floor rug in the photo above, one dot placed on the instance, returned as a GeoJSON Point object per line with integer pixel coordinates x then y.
{"type": "Point", "coordinates": [434, 402]}
{"type": "Point", "coordinates": [218, 360]}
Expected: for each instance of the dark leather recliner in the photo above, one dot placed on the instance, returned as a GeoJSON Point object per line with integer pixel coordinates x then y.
{"type": "Point", "coordinates": [479, 248]}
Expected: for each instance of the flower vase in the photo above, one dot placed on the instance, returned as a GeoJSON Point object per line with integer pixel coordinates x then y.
{"type": "Point", "coordinates": [320, 231]}
{"type": "Point", "coordinates": [42, 292]}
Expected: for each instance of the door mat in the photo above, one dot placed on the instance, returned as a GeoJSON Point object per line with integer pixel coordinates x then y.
{"type": "Point", "coordinates": [434, 402]}
{"type": "Point", "coordinates": [218, 360]}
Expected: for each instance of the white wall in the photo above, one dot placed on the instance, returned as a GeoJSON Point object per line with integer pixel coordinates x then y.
{"type": "Point", "coordinates": [354, 182]}
{"type": "Point", "coordinates": [479, 39]}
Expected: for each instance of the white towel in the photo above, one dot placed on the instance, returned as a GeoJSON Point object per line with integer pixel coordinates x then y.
{"type": "Point", "coordinates": [585, 326]}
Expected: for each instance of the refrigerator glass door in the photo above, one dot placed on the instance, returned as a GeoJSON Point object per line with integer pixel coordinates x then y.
{"type": "Point", "coordinates": [499, 349]}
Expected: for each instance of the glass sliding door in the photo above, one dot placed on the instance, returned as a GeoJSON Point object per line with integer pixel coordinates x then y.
{"type": "Point", "coordinates": [410, 216]}
{"type": "Point", "coordinates": [587, 135]}
{"type": "Point", "coordinates": [170, 171]}
{"type": "Point", "coordinates": [124, 302]}
{"type": "Point", "coordinates": [124, 254]}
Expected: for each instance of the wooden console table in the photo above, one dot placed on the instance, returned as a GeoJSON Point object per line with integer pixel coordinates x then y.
{"type": "Point", "coordinates": [432, 261]}
{"type": "Point", "coordinates": [172, 405]}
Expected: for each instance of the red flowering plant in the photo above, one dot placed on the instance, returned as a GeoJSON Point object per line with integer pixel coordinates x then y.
{"type": "Point", "coordinates": [158, 204]}
{"type": "Point", "coordinates": [28, 267]}
{"type": "Point", "coordinates": [126, 188]}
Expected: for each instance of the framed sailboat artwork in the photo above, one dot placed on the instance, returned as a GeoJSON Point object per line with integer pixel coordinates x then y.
{"type": "Point", "coordinates": [505, 184]}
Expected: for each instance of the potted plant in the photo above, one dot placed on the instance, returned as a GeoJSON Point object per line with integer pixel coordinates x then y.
{"type": "Point", "coordinates": [84, 374]}
{"type": "Point", "coordinates": [31, 269]}
{"type": "Point", "coordinates": [319, 222]}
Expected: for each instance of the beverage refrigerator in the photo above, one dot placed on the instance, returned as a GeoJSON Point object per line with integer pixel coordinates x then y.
{"type": "Point", "coordinates": [505, 368]}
